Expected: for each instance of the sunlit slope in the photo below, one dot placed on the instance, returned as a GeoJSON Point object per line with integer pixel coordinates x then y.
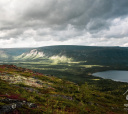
{"type": "Point", "coordinates": [93, 55]}
{"type": "Point", "coordinates": [8, 54]}
{"type": "Point", "coordinates": [68, 53]}
{"type": "Point", "coordinates": [90, 54]}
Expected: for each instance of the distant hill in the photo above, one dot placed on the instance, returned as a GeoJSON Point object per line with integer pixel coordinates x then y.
{"type": "Point", "coordinates": [90, 54]}
{"type": "Point", "coordinates": [3, 55]}
{"type": "Point", "coordinates": [15, 51]}
{"type": "Point", "coordinates": [7, 54]}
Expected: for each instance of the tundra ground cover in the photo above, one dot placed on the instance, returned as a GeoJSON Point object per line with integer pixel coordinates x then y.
{"type": "Point", "coordinates": [56, 95]}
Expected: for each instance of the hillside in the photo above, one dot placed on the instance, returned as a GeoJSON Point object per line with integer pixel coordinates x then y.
{"type": "Point", "coordinates": [33, 54]}
{"type": "Point", "coordinates": [8, 54]}
{"type": "Point", "coordinates": [23, 90]}
{"type": "Point", "coordinates": [74, 63]}
{"type": "Point", "coordinates": [92, 55]}
{"type": "Point", "coordinates": [4, 56]}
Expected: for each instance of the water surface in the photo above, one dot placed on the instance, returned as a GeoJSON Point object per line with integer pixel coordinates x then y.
{"type": "Point", "coordinates": [116, 75]}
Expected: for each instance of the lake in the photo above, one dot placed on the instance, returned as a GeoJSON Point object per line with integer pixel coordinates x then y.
{"type": "Point", "coordinates": [116, 75]}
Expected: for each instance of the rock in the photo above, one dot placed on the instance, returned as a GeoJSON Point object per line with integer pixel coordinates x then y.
{"type": "Point", "coordinates": [9, 100]}
{"type": "Point", "coordinates": [8, 108]}
{"type": "Point", "coordinates": [13, 104]}
{"type": "Point", "coordinates": [32, 105]}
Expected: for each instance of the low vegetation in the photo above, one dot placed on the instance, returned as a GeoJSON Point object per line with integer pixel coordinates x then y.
{"type": "Point", "coordinates": [41, 93]}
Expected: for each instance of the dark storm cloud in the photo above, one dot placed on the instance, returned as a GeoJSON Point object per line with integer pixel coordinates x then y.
{"type": "Point", "coordinates": [78, 13]}
{"type": "Point", "coordinates": [61, 20]}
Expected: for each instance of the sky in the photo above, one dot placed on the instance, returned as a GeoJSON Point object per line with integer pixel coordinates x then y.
{"type": "Point", "coordinates": [36, 23]}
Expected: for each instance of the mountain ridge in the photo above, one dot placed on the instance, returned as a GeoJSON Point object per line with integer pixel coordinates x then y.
{"type": "Point", "coordinates": [91, 54]}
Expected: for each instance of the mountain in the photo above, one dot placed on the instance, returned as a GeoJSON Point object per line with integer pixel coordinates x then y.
{"type": "Point", "coordinates": [90, 54]}
{"type": "Point", "coordinates": [93, 55]}
{"type": "Point", "coordinates": [8, 54]}
{"type": "Point", "coordinates": [46, 89]}
{"type": "Point", "coordinates": [3, 55]}
{"type": "Point", "coordinates": [15, 51]}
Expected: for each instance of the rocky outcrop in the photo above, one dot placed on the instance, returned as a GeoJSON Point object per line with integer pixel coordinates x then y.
{"type": "Point", "coordinates": [12, 104]}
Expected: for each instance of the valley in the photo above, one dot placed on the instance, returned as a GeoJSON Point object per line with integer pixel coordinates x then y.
{"type": "Point", "coordinates": [68, 64]}
{"type": "Point", "coordinates": [74, 63]}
